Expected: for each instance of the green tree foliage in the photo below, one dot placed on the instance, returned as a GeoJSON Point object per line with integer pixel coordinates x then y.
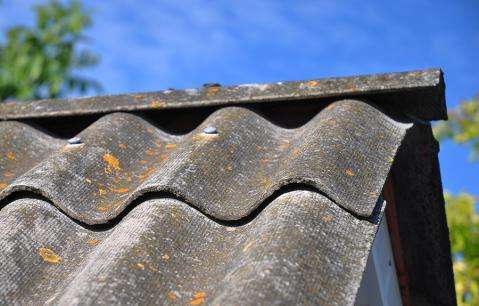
{"type": "Point", "coordinates": [462, 216]}
{"type": "Point", "coordinates": [42, 61]}
{"type": "Point", "coordinates": [463, 222]}
{"type": "Point", "coordinates": [463, 126]}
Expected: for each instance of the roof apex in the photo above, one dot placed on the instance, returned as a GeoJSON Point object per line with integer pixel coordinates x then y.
{"type": "Point", "coordinates": [417, 93]}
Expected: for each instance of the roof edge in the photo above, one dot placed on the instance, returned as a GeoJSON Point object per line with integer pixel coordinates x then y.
{"type": "Point", "coordinates": [419, 93]}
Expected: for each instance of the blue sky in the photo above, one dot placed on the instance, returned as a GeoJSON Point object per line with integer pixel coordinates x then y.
{"type": "Point", "coordinates": [152, 45]}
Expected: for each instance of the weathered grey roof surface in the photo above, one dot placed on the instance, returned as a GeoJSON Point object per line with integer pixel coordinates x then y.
{"type": "Point", "coordinates": [237, 211]}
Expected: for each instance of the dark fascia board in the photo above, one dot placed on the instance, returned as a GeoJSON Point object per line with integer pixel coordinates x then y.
{"type": "Point", "coordinates": [416, 93]}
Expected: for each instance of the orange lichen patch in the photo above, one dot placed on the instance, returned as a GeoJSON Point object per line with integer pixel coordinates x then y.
{"type": "Point", "coordinates": [138, 97]}
{"type": "Point", "coordinates": [119, 190]}
{"type": "Point", "coordinates": [351, 87]}
{"type": "Point", "coordinates": [10, 155]}
{"type": "Point", "coordinates": [3, 185]}
{"type": "Point", "coordinates": [229, 168]}
{"type": "Point", "coordinates": [49, 256]}
{"type": "Point", "coordinates": [284, 146]}
{"type": "Point", "coordinates": [88, 180]}
{"type": "Point", "coordinates": [147, 173]}
{"type": "Point", "coordinates": [152, 268]}
{"type": "Point", "coordinates": [172, 296]}
{"type": "Point", "coordinates": [112, 161]}
{"type": "Point", "coordinates": [100, 279]}
{"type": "Point", "coordinates": [266, 182]}
{"type": "Point", "coordinates": [102, 191]}
{"type": "Point", "coordinates": [247, 246]}
{"type": "Point", "coordinates": [349, 172]}
{"type": "Point", "coordinates": [103, 208]}
{"type": "Point", "coordinates": [8, 174]}
{"type": "Point", "coordinates": [157, 104]}
{"type": "Point", "coordinates": [93, 242]}
{"type": "Point", "coordinates": [149, 152]}
{"type": "Point", "coordinates": [330, 107]}
{"type": "Point", "coordinates": [161, 158]}
{"type": "Point", "coordinates": [165, 257]}
{"type": "Point", "coordinates": [327, 218]}
{"type": "Point", "coordinates": [143, 161]}
{"type": "Point", "coordinates": [263, 161]}
{"type": "Point", "coordinates": [138, 266]}
{"type": "Point", "coordinates": [373, 194]}
{"type": "Point", "coordinates": [198, 298]}
{"type": "Point", "coordinates": [170, 146]}
{"type": "Point", "coordinates": [122, 146]}
{"type": "Point", "coordinates": [312, 83]}
{"type": "Point", "coordinates": [211, 91]}
{"type": "Point", "coordinates": [296, 151]}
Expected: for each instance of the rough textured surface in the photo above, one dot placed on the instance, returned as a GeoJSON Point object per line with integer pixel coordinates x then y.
{"type": "Point", "coordinates": [417, 93]}
{"type": "Point", "coordinates": [237, 211]}
{"type": "Point", "coordinates": [422, 219]}
{"type": "Point", "coordinates": [227, 174]}
{"type": "Point", "coordinates": [164, 252]}
{"type": "Point", "coordinates": [150, 209]}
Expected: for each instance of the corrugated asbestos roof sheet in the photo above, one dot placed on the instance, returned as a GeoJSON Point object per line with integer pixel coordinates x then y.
{"type": "Point", "coordinates": [237, 211]}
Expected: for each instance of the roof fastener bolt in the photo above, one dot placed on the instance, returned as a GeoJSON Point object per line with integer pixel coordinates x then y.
{"type": "Point", "coordinates": [210, 130]}
{"type": "Point", "coordinates": [74, 140]}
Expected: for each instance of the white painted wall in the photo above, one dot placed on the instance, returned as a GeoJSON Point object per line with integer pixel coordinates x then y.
{"type": "Point", "coordinates": [379, 286]}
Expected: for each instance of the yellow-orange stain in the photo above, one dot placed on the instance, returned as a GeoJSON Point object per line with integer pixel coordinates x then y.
{"type": "Point", "coordinates": [247, 246]}
{"type": "Point", "coordinates": [198, 298]}
{"type": "Point", "coordinates": [148, 172]}
{"type": "Point", "coordinates": [266, 182]}
{"type": "Point", "coordinates": [284, 146]}
{"type": "Point", "coordinates": [327, 218]}
{"type": "Point", "coordinates": [139, 266]}
{"type": "Point", "coordinates": [119, 190]}
{"type": "Point", "coordinates": [112, 161]}
{"type": "Point", "coordinates": [171, 296]}
{"type": "Point", "coordinates": [8, 174]}
{"type": "Point", "coordinates": [11, 155]}
{"type": "Point", "coordinates": [330, 107]}
{"type": "Point", "coordinates": [312, 83]}
{"type": "Point", "coordinates": [349, 172]}
{"type": "Point", "coordinates": [3, 185]}
{"type": "Point", "coordinates": [213, 90]}
{"type": "Point", "coordinates": [149, 152]}
{"type": "Point", "coordinates": [101, 191]}
{"type": "Point", "coordinates": [157, 104]}
{"type": "Point", "coordinates": [88, 180]}
{"type": "Point", "coordinates": [158, 144]}
{"type": "Point", "coordinates": [143, 161]}
{"type": "Point", "coordinates": [296, 151]}
{"type": "Point", "coordinates": [122, 146]}
{"type": "Point", "coordinates": [263, 161]}
{"type": "Point", "coordinates": [103, 208]}
{"type": "Point", "coordinates": [138, 97]}
{"type": "Point", "coordinates": [93, 242]}
{"type": "Point", "coordinates": [373, 194]}
{"type": "Point", "coordinates": [165, 257]}
{"type": "Point", "coordinates": [49, 256]}
{"type": "Point", "coordinates": [229, 167]}
{"type": "Point", "coordinates": [170, 146]}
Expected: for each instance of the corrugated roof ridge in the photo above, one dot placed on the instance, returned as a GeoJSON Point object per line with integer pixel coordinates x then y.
{"type": "Point", "coordinates": [420, 92]}
{"type": "Point", "coordinates": [348, 174]}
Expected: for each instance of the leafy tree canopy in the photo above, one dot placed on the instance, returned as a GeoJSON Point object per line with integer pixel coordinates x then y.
{"type": "Point", "coordinates": [42, 61]}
